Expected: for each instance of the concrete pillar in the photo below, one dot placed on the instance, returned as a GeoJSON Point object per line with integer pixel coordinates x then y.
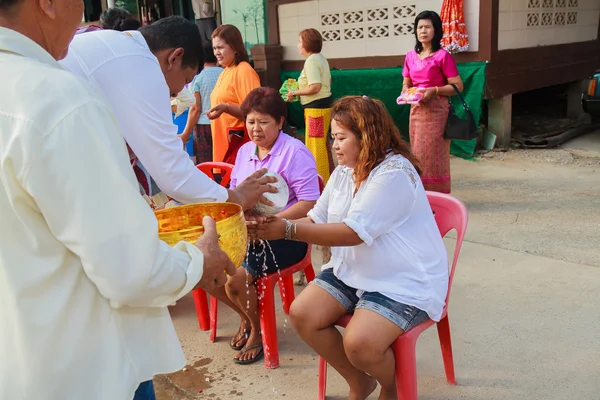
{"type": "Point", "coordinates": [267, 63]}
{"type": "Point", "coordinates": [574, 107]}
{"type": "Point", "coordinates": [500, 119]}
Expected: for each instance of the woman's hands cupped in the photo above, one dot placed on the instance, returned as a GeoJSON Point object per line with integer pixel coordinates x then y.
{"type": "Point", "coordinates": [271, 228]}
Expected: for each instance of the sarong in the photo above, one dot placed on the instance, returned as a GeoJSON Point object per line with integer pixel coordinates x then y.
{"type": "Point", "coordinates": [203, 144]}
{"type": "Point", "coordinates": [317, 127]}
{"type": "Point", "coordinates": [427, 127]}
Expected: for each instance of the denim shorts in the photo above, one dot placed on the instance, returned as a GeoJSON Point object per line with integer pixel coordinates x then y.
{"type": "Point", "coordinates": [403, 315]}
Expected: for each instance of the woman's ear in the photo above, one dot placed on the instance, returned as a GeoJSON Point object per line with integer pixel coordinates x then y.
{"type": "Point", "coordinates": [281, 122]}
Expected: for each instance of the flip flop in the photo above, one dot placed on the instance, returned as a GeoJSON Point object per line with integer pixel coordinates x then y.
{"type": "Point", "coordinates": [246, 335]}
{"type": "Point", "coordinates": [251, 360]}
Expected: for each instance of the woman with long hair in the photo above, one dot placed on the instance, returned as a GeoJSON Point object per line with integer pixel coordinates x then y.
{"type": "Point", "coordinates": [433, 71]}
{"type": "Point", "coordinates": [235, 82]}
{"type": "Point", "coordinates": [388, 264]}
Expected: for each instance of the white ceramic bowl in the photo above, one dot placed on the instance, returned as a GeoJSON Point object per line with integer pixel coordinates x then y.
{"type": "Point", "coordinates": [279, 199]}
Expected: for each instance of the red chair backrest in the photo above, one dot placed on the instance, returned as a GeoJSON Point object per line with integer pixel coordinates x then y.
{"type": "Point", "coordinates": [450, 213]}
{"type": "Point", "coordinates": [321, 184]}
{"type": "Point", "coordinates": [221, 168]}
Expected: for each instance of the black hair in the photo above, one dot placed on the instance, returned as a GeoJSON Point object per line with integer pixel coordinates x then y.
{"type": "Point", "coordinates": [174, 32]}
{"type": "Point", "coordinates": [6, 5]}
{"type": "Point", "coordinates": [438, 30]}
{"type": "Point", "coordinates": [209, 53]}
{"type": "Point", "coordinates": [111, 18]}
{"type": "Point", "coordinates": [128, 24]}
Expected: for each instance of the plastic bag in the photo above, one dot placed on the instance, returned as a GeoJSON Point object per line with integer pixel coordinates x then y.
{"type": "Point", "coordinates": [184, 100]}
{"type": "Point", "coordinates": [410, 96]}
{"type": "Point", "coordinates": [289, 86]}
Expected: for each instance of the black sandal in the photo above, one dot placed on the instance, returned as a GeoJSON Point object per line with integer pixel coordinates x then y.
{"type": "Point", "coordinates": [257, 357]}
{"type": "Point", "coordinates": [245, 335]}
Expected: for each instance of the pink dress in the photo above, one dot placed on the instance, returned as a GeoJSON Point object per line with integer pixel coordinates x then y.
{"type": "Point", "coordinates": [428, 120]}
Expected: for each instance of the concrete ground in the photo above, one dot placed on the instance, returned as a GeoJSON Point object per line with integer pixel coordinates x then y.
{"type": "Point", "coordinates": [524, 305]}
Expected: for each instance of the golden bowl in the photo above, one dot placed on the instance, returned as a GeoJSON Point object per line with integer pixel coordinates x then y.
{"type": "Point", "coordinates": [185, 223]}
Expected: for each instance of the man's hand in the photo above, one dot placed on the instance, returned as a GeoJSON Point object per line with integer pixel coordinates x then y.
{"type": "Point", "coordinates": [216, 262]}
{"type": "Point", "coordinates": [248, 193]}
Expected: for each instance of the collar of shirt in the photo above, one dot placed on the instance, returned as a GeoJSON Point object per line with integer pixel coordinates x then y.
{"type": "Point", "coordinates": [275, 150]}
{"type": "Point", "coordinates": [14, 42]}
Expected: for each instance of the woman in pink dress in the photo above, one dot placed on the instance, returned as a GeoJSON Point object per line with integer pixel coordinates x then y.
{"type": "Point", "coordinates": [432, 71]}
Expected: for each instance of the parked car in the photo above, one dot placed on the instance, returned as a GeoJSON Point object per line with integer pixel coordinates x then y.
{"type": "Point", "coordinates": [590, 99]}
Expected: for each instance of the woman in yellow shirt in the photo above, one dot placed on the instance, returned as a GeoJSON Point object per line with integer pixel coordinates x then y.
{"type": "Point", "coordinates": [235, 82]}
{"type": "Point", "coordinates": [315, 96]}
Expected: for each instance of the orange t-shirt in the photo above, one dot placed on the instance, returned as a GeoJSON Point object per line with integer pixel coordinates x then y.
{"type": "Point", "coordinates": [233, 85]}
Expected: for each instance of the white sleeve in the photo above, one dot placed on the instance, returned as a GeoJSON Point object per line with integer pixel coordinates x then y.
{"type": "Point", "coordinates": [136, 88]}
{"type": "Point", "coordinates": [85, 189]}
{"type": "Point", "coordinates": [387, 202]}
{"type": "Point", "coordinates": [319, 212]}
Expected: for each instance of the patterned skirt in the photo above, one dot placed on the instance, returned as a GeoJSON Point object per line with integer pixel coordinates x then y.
{"type": "Point", "coordinates": [203, 148]}
{"type": "Point", "coordinates": [317, 127]}
{"type": "Point", "coordinates": [427, 127]}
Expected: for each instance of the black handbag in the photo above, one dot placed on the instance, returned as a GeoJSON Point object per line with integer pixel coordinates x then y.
{"type": "Point", "coordinates": [460, 129]}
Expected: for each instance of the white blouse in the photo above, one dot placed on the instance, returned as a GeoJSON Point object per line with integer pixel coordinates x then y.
{"type": "Point", "coordinates": [402, 255]}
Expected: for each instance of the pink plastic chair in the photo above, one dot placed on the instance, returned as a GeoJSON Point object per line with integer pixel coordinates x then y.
{"type": "Point", "coordinates": [450, 213]}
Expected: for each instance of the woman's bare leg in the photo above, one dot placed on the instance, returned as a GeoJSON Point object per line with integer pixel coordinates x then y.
{"type": "Point", "coordinates": [313, 314]}
{"type": "Point", "coordinates": [240, 338]}
{"type": "Point", "coordinates": [241, 290]}
{"type": "Point", "coordinates": [372, 353]}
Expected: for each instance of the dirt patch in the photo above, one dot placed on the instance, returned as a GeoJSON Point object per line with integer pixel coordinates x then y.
{"type": "Point", "coordinates": [186, 384]}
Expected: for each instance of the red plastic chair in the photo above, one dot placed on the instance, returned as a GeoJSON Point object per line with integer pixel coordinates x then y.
{"type": "Point", "coordinates": [199, 295]}
{"type": "Point", "coordinates": [266, 306]}
{"type": "Point", "coordinates": [450, 213]}
{"type": "Point", "coordinates": [211, 168]}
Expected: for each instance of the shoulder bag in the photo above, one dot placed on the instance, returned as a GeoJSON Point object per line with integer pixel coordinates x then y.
{"type": "Point", "coordinates": [457, 128]}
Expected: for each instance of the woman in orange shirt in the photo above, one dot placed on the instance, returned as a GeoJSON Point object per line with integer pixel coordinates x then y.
{"type": "Point", "coordinates": [235, 82]}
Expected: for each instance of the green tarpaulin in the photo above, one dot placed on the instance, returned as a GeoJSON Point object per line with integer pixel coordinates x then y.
{"type": "Point", "coordinates": [385, 84]}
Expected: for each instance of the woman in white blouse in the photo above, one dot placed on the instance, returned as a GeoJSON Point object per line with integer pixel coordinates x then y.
{"type": "Point", "coordinates": [388, 264]}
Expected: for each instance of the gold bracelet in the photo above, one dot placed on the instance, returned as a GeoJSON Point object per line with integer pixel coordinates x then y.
{"type": "Point", "coordinates": [437, 90]}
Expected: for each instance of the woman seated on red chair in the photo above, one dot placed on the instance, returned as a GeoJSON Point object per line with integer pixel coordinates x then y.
{"type": "Point", "coordinates": [265, 112]}
{"type": "Point", "coordinates": [388, 263]}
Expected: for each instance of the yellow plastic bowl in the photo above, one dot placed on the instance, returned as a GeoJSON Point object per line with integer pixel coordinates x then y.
{"type": "Point", "coordinates": [185, 223]}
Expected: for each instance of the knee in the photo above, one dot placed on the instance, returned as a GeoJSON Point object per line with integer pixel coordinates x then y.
{"type": "Point", "coordinates": [235, 285]}
{"type": "Point", "coordinates": [300, 316]}
{"type": "Point", "coordinates": [360, 349]}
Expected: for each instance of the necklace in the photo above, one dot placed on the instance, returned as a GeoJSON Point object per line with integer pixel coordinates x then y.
{"type": "Point", "coordinates": [226, 71]}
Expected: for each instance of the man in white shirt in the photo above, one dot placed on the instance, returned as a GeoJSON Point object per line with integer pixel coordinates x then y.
{"type": "Point", "coordinates": [204, 10]}
{"type": "Point", "coordinates": [84, 281]}
{"type": "Point", "coordinates": [139, 72]}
